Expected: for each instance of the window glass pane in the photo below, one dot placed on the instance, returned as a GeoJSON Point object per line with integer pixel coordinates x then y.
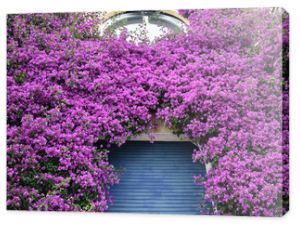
{"type": "Point", "coordinates": [167, 22]}
{"type": "Point", "coordinates": [152, 24]}
{"type": "Point", "coordinates": [124, 20]}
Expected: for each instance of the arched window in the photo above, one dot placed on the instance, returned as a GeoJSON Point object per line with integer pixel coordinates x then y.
{"type": "Point", "coordinates": [152, 24]}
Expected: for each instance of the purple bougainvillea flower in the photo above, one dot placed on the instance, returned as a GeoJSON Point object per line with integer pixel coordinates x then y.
{"type": "Point", "coordinates": [72, 94]}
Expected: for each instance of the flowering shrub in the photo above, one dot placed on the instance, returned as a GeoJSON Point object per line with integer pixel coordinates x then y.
{"type": "Point", "coordinates": [226, 95]}
{"type": "Point", "coordinates": [64, 95]}
{"type": "Point", "coordinates": [72, 93]}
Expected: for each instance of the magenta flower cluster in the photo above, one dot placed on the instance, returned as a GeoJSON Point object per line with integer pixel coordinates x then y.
{"type": "Point", "coordinates": [72, 94]}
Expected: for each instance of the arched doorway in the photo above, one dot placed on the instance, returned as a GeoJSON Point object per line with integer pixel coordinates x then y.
{"type": "Point", "coordinates": [157, 177]}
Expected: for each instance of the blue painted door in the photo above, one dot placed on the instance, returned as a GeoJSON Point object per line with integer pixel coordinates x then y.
{"type": "Point", "coordinates": [156, 178]}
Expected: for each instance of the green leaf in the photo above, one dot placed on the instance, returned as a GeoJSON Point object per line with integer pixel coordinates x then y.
{"type": "Point", "coordinates": [20, 78]}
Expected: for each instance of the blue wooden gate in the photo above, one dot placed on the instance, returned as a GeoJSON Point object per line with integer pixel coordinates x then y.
{"type": "Point", "coordinates": [157, 178]}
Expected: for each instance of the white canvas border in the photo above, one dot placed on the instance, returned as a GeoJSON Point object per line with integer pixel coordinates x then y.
{"type": "Point", "coordinates": [38, 218]}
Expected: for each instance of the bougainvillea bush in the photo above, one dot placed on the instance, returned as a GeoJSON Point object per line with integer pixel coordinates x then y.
{"type": "Point", "coordinates": [72, 93]}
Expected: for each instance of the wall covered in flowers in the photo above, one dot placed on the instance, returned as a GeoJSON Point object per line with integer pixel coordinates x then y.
{"type": "Point", "coordinates": [72, 93]}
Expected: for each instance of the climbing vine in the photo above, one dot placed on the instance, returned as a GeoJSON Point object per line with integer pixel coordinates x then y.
{"type": "Point", "coordinates": [73, 93]}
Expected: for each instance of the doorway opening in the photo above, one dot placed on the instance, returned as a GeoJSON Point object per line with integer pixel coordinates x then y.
{"type": "Point", "coordinates": [156, 178]}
